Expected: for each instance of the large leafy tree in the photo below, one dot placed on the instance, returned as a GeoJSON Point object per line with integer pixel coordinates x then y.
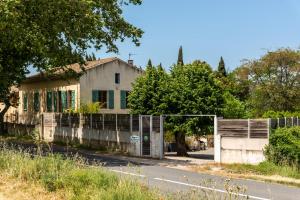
{"type": "Point", "coordinates": [193, 89]}
{"type": "Point", "coordinates": [47, 34]}
{"type": "Point", "coordinates": [275, 81]}
{"type": "Point", "coordinates": [148, 92]}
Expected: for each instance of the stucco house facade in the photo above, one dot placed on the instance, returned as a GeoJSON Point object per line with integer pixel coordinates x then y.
{"type": "Point", "coordinates": [107, 81]}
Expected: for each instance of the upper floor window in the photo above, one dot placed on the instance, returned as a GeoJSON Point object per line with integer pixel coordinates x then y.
{"type": "Point", "coordinates": [117, 78]}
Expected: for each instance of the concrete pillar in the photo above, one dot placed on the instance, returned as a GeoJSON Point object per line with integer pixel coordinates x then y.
{"type": "Point", "coordinates": [217, 142]}
{"type": "Point", "coordinates": [161, 132]}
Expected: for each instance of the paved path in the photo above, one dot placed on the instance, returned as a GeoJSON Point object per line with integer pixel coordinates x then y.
{"type": "Point", "coordinates": [157, 174]}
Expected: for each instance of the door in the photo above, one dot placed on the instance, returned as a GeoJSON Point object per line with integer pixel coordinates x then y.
{"type": "Point", "coordinates": [146, 130]}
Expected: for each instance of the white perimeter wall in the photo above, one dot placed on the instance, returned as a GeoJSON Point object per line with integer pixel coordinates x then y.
{"type": "Point", "coordinates": [242, 150]}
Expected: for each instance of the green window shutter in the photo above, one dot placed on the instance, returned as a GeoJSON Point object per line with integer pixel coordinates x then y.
{"type": "Point", "coordinates": [95, 96]}
{"type": "Point", "coordinates": [25, 102]}
{"type": "Point", "coordinates": [111, 98]}
{"type": "Point", "coordinates": [123, 99]}
{"type": "Point", "coordinates": [36, 101]}
{"type": "Point", "coordinates": [55, 101]}
{"type": "Point", "coordinates": [64, 100]}
{"type": "Point", "coordinates": [49, 101]}
{"type": "Point", "coordinates": [73, 99]}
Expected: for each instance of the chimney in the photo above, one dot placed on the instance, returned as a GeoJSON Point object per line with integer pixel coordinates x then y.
{"type": "Point", "coordinates": [130, 62]}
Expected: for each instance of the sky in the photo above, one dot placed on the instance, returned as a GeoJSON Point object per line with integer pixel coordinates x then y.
{"type": "Point", "coordinates": [208, 29]}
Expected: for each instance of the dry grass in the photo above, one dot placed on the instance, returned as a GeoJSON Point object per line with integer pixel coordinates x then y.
{"type": "Point", "coordinates": [15, 189]}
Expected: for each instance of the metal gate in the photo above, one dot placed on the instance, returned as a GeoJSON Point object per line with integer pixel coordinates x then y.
{"type": "Point", "coordinates": [146, 129]}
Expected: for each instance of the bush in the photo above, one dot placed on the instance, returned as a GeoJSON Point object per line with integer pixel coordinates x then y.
{"type": "Point", "coordinates": [284, 147]}
{"type": "Point", "coordinates": [280, 114]}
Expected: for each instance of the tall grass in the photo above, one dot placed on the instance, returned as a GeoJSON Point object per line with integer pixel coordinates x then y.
{"type": "Point", "coordinates": [69, 175]}
{"type": "Point", "coordinates": [264, 168]}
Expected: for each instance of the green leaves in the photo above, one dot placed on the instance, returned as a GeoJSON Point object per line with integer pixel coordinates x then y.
{"type": "Point", "coordinates": [48, 34]}
{"type": "Point", "coordinates": [191, 89]}
{"type": "Point", "coordinates": [275, 79]}
{"type": "Point", "coordinates": [147, 96]}
{"type": "Point", "coordinates": [284, 147]}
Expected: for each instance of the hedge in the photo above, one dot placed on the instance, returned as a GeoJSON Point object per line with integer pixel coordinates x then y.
{"type": "Point", "coordinates": [284, 147]}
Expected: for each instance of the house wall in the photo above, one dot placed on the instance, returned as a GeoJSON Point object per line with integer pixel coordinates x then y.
{"type": "Point", "coordinates": [42, 87]}
{"type": "Point", "coordinates": [103, 78]}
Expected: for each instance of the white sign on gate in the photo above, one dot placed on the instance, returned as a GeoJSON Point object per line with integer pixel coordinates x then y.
{"type": "Point", "coordinates": [134, 139]}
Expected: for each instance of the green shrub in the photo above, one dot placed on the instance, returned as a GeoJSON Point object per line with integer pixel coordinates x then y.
{"type": "Point", "coordinates": [284, 147]}
{"type": "Point", "coordinates": [280, 114]}
{"type": "Point", "coordinates": [87, 108]}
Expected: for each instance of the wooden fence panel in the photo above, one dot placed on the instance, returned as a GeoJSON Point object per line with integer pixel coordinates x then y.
{"type": "Point", "coordinates": [233, 128]}
{"type": "Point", "coordinates": [259, 128]}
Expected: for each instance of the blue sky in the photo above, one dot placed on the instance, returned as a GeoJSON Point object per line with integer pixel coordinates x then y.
{"type": "Point", "coordinates": [208, 29]}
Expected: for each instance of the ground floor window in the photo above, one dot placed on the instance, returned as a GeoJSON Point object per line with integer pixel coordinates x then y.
{"type": "Point", "coordinates": [60, 101]}
{"type": "Point", "coordinates": [124, 99]}
{"type": "Point", "coordinates": [100, 96]}
{"type": "Point", "coordinates": [36, 102]}
{"type": "Point", "coordinates": [25, 102]}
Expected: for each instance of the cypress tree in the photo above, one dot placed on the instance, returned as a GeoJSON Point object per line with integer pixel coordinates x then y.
{"type": "Point", "coordinates": [149, 64]}
{"type": "Point", "coordinates": [221, 68]}
{"type": "Point", "coordinates": [180, 57]}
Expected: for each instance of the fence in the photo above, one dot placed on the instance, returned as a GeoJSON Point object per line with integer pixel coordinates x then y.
{"type": "Point", "coordinates": [243, 140]}
{"type": "Point", "coordinates": [28, 118]}
{"type": "Point", "coordinates": [109, 130]}
{"type": "Point", "coordinates": [284, 122]}
{"type": "Point", "coordinates": [248, 128]}
{"type": "Point", "coordinates": [117, 131]}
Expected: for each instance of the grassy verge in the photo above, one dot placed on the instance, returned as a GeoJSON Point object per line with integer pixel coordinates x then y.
{"type": "Point", "coordinates": [264, 168]}
{"type": "Point", "coordinates": [70, 177]}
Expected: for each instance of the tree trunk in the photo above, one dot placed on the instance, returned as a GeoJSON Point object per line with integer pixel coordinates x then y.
{"type": "Point", "coordinates": [2, 113]}
{"type": "Point", "coordinates": [180, 143]}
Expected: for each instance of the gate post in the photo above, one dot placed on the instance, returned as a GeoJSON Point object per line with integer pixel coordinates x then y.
{"type": "Point", "coordinates": [140, 133]}
{"type": "Point", "coordinates": [161, 132]}
{"type": "Point", "coordinates": [217, 141]}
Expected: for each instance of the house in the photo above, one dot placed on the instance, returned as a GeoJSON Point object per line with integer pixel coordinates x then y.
{"type": "Point", "coordinates": [107, 81]}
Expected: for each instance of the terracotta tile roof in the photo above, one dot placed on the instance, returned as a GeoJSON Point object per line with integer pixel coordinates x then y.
{"type": "Point", "coordinates": [89, 65]}
{"type": "Point", "coordinates": [75, 67]}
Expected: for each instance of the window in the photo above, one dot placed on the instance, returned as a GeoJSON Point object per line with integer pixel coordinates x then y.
{"type": "Point", "coordinates": [25, 102]}
{"type": "Point", "coordinates": [71, 99]}
{"type": "Point", "coordinates": [64, 101]}
{"type": "Point", "coordinates": [60, 101]}
{"type": "Point", "coordinates": [55, 101]}
{"type": "Point", "coordinates": [124, 99]}
{"type": "Point", "coordinates": [36, 101]}
{"type": "Point", "coordinates": [100, 96]}
{"type": "Point", "coordinates": [111, 96]}
{"type": "Point", "coordinates": [117, 78]}
{"type": "Point", "coordinates": [49, 101]}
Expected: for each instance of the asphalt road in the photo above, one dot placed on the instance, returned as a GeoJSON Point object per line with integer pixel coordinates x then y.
{"type": "Point", "coordinates": [174, 180]}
